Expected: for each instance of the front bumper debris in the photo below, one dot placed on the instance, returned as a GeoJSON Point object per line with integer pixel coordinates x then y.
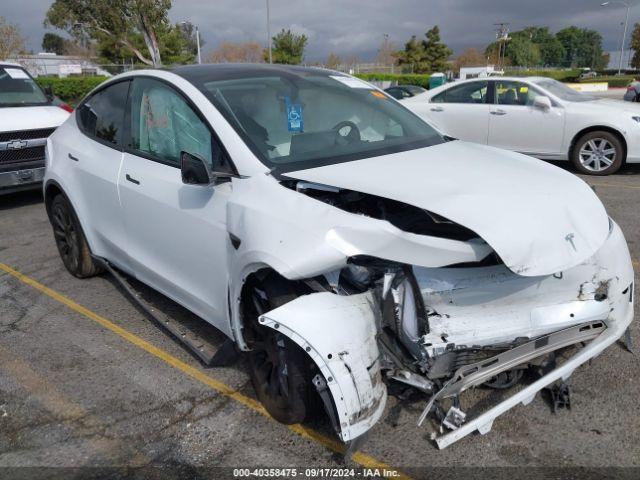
{"type": "Point", "coordinates": [607, 334]}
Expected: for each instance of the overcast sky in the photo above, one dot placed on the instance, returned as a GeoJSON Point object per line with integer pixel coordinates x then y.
{"type": "Point", "coordinates": [356, 27]}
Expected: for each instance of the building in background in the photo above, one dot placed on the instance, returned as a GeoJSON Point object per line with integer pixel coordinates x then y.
{"type": "Point", "coordinates": [52, 65]}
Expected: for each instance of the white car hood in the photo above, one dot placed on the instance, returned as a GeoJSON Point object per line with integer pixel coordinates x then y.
{"type": "Point", "coordinates": [31, 118]}
{"type": "Point", "coordinates": [539, 218]}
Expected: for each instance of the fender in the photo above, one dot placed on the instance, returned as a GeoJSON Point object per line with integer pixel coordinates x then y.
{"type": "Point", "coordinates": [339, 334]}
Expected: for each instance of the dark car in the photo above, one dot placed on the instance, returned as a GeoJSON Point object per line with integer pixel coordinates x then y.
{"type": "Point", "coordinates": [633, 92]}
{"type": "Point", "coordinates": [404, 91]}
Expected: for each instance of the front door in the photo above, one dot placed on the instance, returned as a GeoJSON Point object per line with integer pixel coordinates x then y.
{"type": "Point", "coordinates": [177, 233]}
{"type": "Point", "coordinates": [516, 124]}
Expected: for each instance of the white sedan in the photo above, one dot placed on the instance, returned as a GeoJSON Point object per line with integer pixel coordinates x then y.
{"type": "Point", "coordinates": [337, 239]}
{"type": "Point", "coordinates": [536, 116]}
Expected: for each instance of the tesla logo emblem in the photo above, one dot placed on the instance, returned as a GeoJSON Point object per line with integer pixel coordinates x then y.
{"type": "Point", "coordinates": [569, 238]}
{"type": "Point", "coordinates": [17, 144]}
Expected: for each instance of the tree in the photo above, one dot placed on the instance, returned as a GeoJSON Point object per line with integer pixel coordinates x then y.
{"type": "Point", "coordinates": [333, 61]}
{"type": "Point", "coordinates": [11, 40]}
{"type": "Point", "coordinates": [227, 52]}
{"type": "Point", "coordinates": [117, 20]}
{"type": "Point", "coordinates": [583, 47]}
{"type": "Point", "coordinates": [53, 43]}
{"type": "Point", "coordinates": [413, 55]}
{"type": "Point", "coordinates": [635, 46]}
{"type": "Point", "coordinates": [425, 56]}
{"type": "Point", "coordinates": [436, 53]}
{"type": "Point", "coordinates": [469, 58]}
{"type": "Point", "coordinates": [287, 48]}
{"type": "Point", "coordinates": [522, 51]}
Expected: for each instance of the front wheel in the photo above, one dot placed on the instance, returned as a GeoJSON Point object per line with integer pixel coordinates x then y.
{"type": "Point", "coordinates": [598, 153]}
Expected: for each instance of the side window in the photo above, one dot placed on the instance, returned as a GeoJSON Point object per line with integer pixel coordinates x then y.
{"type": "Point", "coordinates": [473, 92]}
{"type": "Point", "coordinates": [163, 125]}
{"type": "Point", "coordinates": [515, 93]}
{"type": "Point", "coordinates": [102, 115]}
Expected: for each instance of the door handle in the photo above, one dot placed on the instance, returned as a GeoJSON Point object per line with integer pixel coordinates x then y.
{"type": "Point", "coordinates": [75, 159]}
{"type": "Point", "coordinates": [437, 109]}
{"type": "Point", "coordinates": [498, 112]}
{"type": "Point", "coordinates": [131, 179]}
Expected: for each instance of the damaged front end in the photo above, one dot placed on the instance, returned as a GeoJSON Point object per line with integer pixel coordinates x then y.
{"type": "Point", "coordinates": [444, 330]}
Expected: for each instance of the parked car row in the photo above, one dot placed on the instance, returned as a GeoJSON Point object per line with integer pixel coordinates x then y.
{"type": "Point", "coordinates": [536, 116]}
{"type": "Point", "coordinates": [344, 244]}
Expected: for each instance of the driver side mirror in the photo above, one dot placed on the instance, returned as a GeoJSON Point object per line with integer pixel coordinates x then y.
{"type": "Point", "coordinates": [196, 171]}
{"type": "Point", "coordinates": [542, 102]}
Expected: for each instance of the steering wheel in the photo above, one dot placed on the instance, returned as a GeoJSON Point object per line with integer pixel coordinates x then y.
{"type": "Point", "coordinates": [347, 132]}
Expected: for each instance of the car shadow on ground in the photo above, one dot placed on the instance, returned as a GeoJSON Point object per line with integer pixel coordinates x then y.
{"type": "Point", "coordinates": [20, 199]}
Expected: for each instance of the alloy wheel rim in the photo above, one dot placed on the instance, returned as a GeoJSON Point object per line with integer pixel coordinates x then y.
{"type": "Point", "coordinates": [597, 154]}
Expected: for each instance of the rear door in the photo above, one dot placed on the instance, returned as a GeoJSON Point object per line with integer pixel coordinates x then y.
{"type": "Point", "coordinates": [462, 111]}
{"type": "Point", "coordinates": [178, 239]}
{"type": "Point", "coordinates": [516, 124]}
{"type": "Point", "coordinates": [94, 155]}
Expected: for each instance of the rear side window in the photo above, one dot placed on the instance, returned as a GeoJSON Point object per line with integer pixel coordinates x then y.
{"type": "Point", "coordinates": [102, 115]}
{"type": "Point", "coordinates": [473, 92]}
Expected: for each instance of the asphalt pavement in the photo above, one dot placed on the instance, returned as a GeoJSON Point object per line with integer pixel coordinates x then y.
{"type": "Point", "coordinates": [87, 380]}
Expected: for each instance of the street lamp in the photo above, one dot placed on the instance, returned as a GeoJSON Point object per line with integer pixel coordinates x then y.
{"type": "Point", "coordinates": [624, 31]}
{"type": "Point", "coordinates": [269, 33]}
{"type": "Point", "coordinates": [197, 40]}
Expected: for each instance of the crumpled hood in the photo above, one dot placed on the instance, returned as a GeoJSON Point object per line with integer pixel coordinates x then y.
{"type": "Point", "coordinates": [539, 218]}
{"type": "Point", "coordinates": [31, 118]}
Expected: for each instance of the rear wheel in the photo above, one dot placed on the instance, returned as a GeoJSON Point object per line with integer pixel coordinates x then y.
{"type": "Point", "coordinates": [72, 245]}
{"type": "Point", "coordinates": [598, 153]}
{"type": "Point", "coordinates": [280, 371]}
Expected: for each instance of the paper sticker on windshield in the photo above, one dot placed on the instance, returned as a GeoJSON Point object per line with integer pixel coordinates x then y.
{"type": "Point", "coordinates": [16, 73]}
{"type": "Point", "coordinates": [352, 82]}
{"type": "Point", "coordinates": [295, 122]}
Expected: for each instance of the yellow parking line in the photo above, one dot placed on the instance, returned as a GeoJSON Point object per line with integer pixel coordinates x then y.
{"type": "Point", "coordinates": [333, 445]}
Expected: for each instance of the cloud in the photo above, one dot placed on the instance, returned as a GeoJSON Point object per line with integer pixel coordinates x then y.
{"type": "Point", "coordinates": [356, 27]}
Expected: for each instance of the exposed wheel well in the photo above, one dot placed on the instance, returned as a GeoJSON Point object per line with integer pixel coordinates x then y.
{"type": "Point", "coordinates": [264, 276]}
{"type": "Point", "coordinates": [597, 128]}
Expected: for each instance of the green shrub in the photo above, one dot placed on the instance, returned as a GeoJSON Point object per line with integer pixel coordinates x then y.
{"type": "Point", "coordinates": [560, 75]}
{"type": "Point", "coordinates": [70, 89]}
{"type": "Point", "coordinates": [613, 81]}
{"type": "Point", "coordinates": [421, 80]}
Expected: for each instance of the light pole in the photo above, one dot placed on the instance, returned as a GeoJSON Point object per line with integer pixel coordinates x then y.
{"type": "Point", "coordinates": [197, 40]}
{"type": "Point", "coordinates": [269, 33]}
{"type": "Point", "coordinates": [624, 31]}
{"type": "Point", "coordinates": [198, 44]}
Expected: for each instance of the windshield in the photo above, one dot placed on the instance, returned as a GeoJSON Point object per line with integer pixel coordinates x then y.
{"type": "Point", "coordinates": [17, 88]}
{"type": "Point", "coordinates": [297, 120]}
{"type": "Point", "coordinates": [562, 91]}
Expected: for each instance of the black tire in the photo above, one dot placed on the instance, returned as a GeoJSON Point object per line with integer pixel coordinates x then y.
{"type": "Point", "coordinates": [607, 157]}
{"type": "Point", "coordinates": [72, 245]}
{"type": "Point", "coordinates": [280, 371]}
